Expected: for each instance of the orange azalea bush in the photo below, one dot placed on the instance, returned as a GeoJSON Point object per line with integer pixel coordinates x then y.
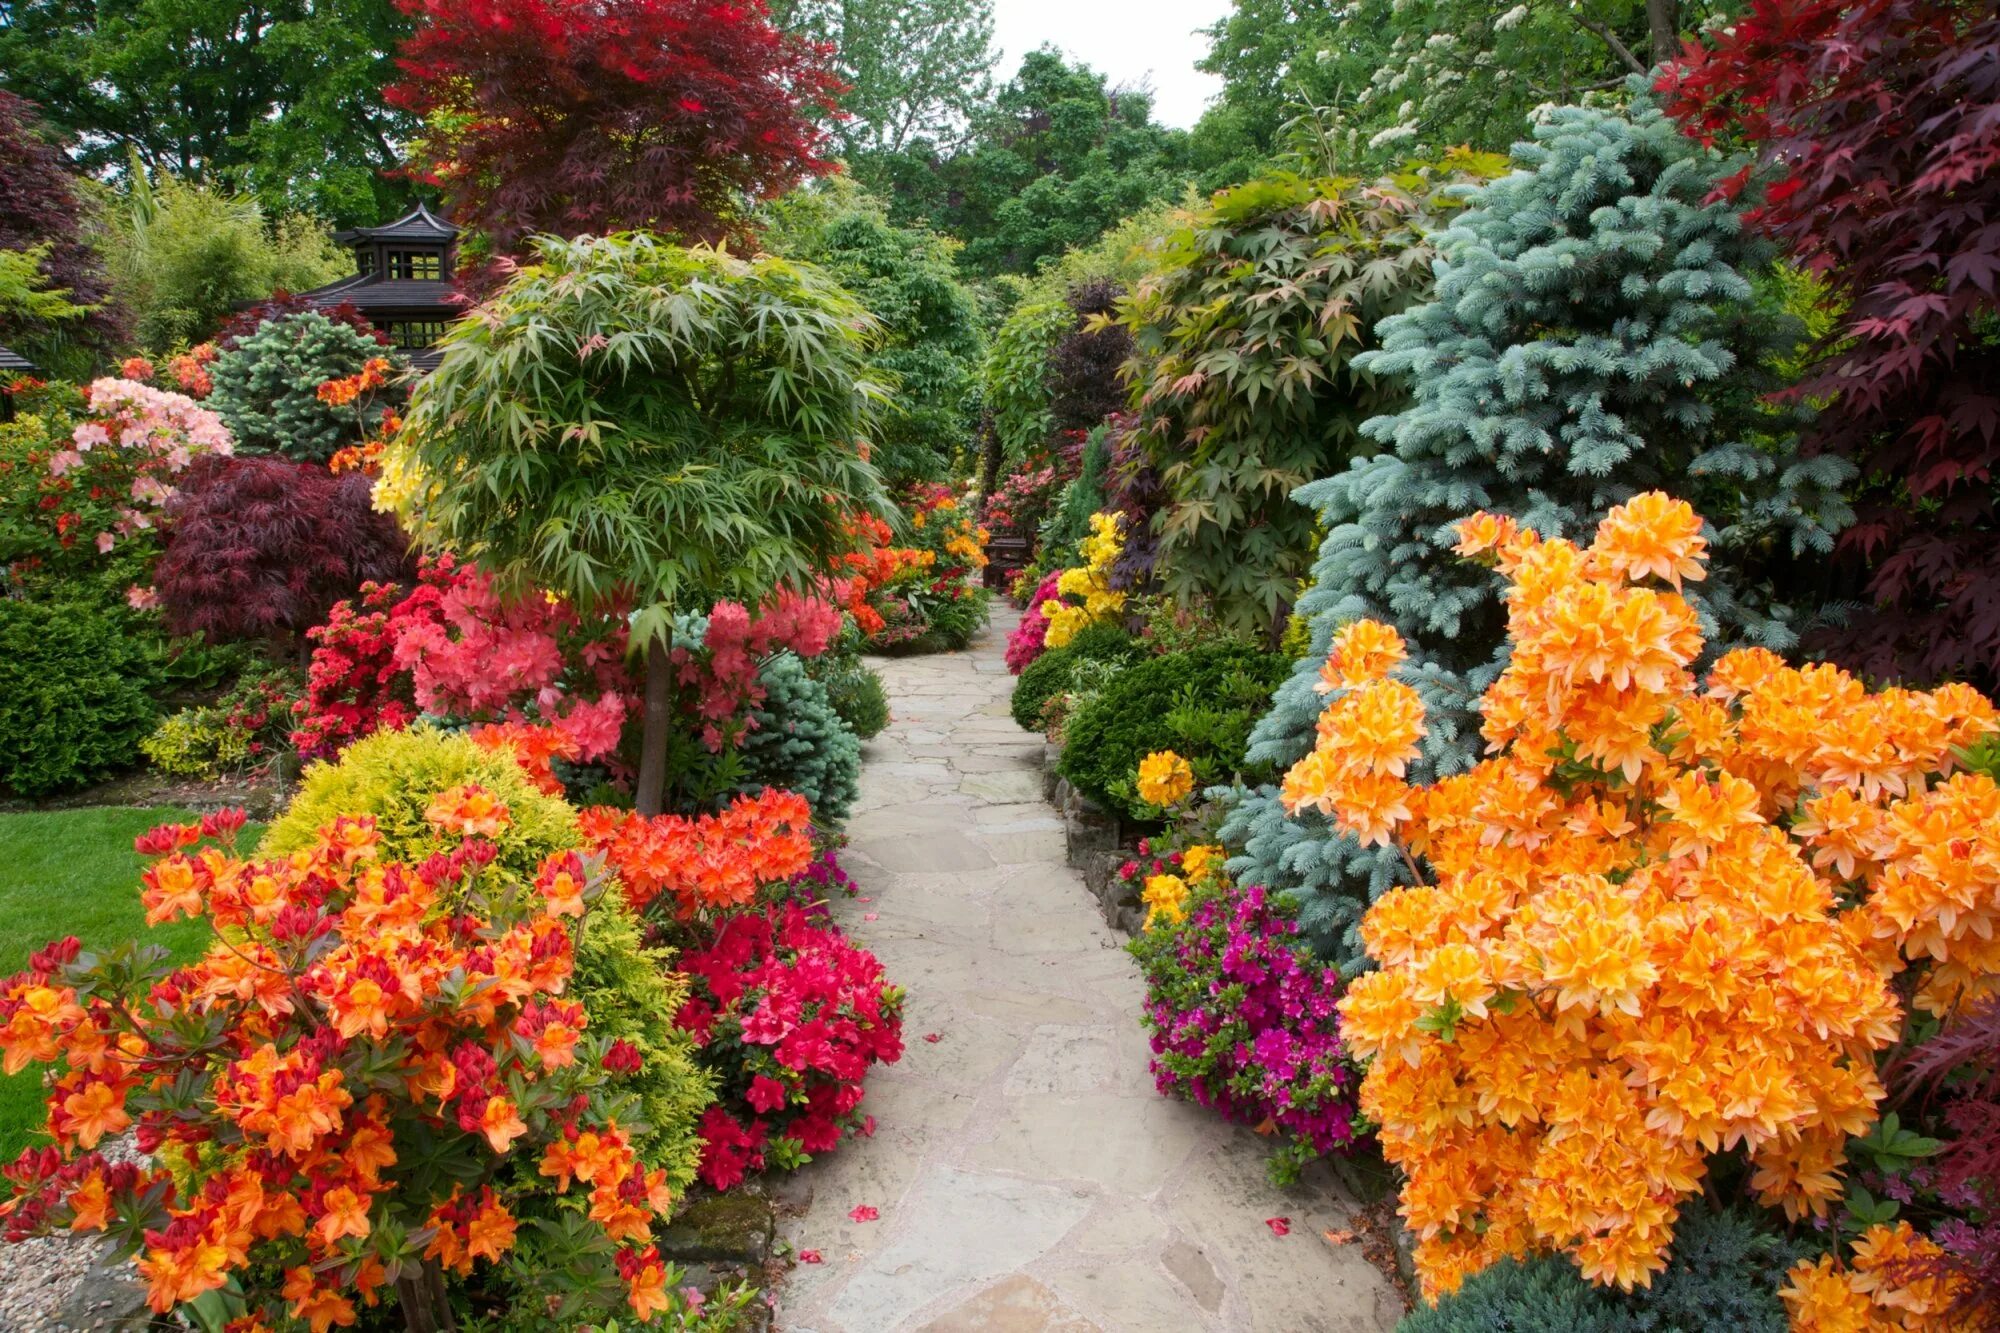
{"type": "Point", "coordinates": [1658, 922]}
{"type": "Point", "coordinates": [705, 862]}
{"type": "Point", "coordinates": [334, 1100]}
{"type": "Point", "coordinates": [1894, 1281]}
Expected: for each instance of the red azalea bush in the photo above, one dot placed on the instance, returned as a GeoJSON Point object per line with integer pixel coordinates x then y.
{"type": "Point", "coordinates": [263, 547]}
{"type": "Point", "coordinates": [1030, 637]}
{"type": "Point", "coordinates": [792, 1015]}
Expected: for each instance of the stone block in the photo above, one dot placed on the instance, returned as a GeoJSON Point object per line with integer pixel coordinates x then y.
{"type": "Point", "coordinates": [720, 1228]}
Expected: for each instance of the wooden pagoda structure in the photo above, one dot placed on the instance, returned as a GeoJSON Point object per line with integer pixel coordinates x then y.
{"type": "Point", "coordinates": [402, 282]}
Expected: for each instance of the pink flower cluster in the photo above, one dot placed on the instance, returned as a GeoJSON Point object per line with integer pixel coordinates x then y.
{"type": "Point", "coordinates": [1030, 637]}
{"type": "Point", "coordinates": [137, 438]}
{"type": "Point", "coordinates": [791, 1014]}
{"type": "Point", "coordinates": [1243, 1022]}
{"type": "Point", "coordinates": [723, 670]}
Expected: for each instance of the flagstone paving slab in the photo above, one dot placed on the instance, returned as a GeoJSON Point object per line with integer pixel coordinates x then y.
{"type": "Point", "coordinates": [1027, 1177]}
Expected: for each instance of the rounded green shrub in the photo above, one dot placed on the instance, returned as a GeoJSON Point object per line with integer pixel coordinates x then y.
{"type": "Point", "coordinates": [627, 989]}
{"type": "Point", "coordinates": [73, 707]}
{"type": "Point", "coordinates": [854, 690]}
{"type": "Point", "coordinates": [800, 744]}
{"type": "Point", "coordinates": [1055, 670]}
{"type": "Point", "coordinates": [267, 387]}
{"type": "Point", "coordinates": [1723, 1273]}
{"type": "Point", "coordinates": [1200, 704]}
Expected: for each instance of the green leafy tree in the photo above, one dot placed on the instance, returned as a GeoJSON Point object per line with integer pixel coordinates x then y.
{"type": "Point", "coordinates": [1594, 335]}
{"type": "Point", "coordinates": [187, 256]}
{"type": "Point", "coordinates": [630, 423]}
{"type": "Point", "coordinates": [1243, 373]}
{"type": "Point", "coordinates": [930, 345]}
{"type": "Point", "coordinates": [281, 99]}
{"type": "Point", "coordinates": [916, 70]}
{"type": "Point", "coordinates": [1056, 161]}
{"type": "Point", "coordinates": [1379, 81]}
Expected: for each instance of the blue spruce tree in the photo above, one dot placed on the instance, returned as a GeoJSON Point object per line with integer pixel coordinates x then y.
{"type": "Point", "coordinates": [1595, 333]}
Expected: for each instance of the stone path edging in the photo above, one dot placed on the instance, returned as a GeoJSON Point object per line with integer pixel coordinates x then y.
{"type": "Point", "coordinates": [1027, 1176]}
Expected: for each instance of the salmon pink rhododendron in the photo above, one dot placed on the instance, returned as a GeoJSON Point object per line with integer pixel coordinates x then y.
{"type": "Point", "coordinates": [1658, 922]}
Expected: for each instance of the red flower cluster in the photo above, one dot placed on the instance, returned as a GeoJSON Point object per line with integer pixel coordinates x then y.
{"type": "Point", "coordinates": [353, 1014]}
{"type": "Point", "coordinates": [792, 1013]}
{"type": "Point", "coordinates": [705, 861]}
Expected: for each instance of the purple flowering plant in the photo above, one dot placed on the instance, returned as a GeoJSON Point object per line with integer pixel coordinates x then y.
{"type": "Point", "coordinates": [1243, 1023]}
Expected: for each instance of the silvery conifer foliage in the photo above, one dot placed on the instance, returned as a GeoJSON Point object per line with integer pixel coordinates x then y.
{"type": "Point", "coordinates": [1595, 333]}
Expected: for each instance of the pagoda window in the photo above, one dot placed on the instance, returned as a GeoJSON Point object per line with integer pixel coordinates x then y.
{"type": "Point", "coordinates": [416, 265]}
{"type": "Point", "coordinates": [412, 334]}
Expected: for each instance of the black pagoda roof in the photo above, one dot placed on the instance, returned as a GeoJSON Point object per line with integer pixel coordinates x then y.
{"type": "Point", "coordinates": [13, 360]}
{"type": "Point", "coordinates": [419, 224]}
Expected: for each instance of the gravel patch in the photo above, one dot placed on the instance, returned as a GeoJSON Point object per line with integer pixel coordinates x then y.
{"type": "Point", "coordinates": [72, 1283]}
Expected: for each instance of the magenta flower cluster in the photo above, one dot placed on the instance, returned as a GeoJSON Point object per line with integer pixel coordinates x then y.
{"type": "Point", "coordinates": [1029, 638]}
{"type": "Point", "coordinates": [1243, 1023]}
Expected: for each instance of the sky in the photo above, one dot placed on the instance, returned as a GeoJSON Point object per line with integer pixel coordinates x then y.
{"type": "Point", "coordinates": [1129, 41]}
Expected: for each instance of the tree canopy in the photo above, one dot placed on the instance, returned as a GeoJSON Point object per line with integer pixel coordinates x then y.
{"type": "Point", "coordinates": [56, 284]}
{"type": "Point", "coordinates": [282, 99]}
{"type": "Point", "coordinates": [917, 71]}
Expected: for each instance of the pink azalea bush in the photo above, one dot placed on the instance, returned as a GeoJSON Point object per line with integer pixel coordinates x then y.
{"type": "Point", "coordinates": [1243, 1022]}
{"type": "Point", "coordinates": [1030, 637]}
{"type": "Point", "coordinates": [791, 1014]}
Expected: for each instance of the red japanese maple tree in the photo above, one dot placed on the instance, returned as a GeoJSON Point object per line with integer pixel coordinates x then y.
{"type": "Point", "coordinates": [1878, 122]}
{"type": "Point", "coordinates": [575, 116]}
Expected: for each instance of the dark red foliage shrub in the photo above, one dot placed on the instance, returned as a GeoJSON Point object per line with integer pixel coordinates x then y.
{"type": "Point", "coordinates": [261, 547]}
{"type": "Point", "coordinates": [1962, 1063]}
{"type": "Point", "coordinates": [1082, 374]}
{"type": "Point", "coordinates": [1879, 123]}
{"type": "Point", "coordinates": [39, 204]}
{"type": "Point", "coordinates": [574, 116]}
{"type": "Point", "coordinates": [281, 303]}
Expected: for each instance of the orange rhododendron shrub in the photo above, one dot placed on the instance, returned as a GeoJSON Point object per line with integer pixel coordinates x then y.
{"type": "Point", "coordinates": [328, 1098]}
{"type": "Point", "coordinates": [705, 862]}
{"type": "Point", "coordinates": [1660, 919]}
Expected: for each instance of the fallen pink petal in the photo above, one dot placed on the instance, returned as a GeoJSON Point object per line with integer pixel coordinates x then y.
{"type": "Point", "coordinates": [863, 1212]}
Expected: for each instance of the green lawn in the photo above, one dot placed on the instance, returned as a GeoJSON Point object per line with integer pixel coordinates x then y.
{"type": "Point", "coordinates": [73, 872]}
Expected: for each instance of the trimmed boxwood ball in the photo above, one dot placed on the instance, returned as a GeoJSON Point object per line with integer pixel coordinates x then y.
{"type": "Point", "coordinates": [854, 690]}
{"type": "Point", "coordinates": [73, 707]}
{"type": "Point", "coordinates": [1055, 670]}
{"type": "Point", "coordinates": [1200, 704]}
{"type": "Point", "coordinates": [628, 990]}
{"type": "Point", "coordinates": [1723, 1273]}
{"type": "Point", "coordinates": [800, 743]}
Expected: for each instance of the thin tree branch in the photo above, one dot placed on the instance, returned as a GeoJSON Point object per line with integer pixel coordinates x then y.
{"type": "Point", "coordinates": [1610, 39]}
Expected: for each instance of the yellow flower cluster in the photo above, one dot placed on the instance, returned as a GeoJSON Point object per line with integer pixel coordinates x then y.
{"type": "Point", "coordinates": [1635, 953]}
{"type": "Point", "coordinates": [1165, 898]}
{"type": "Point", "coordinates": [1165, 779]}
{"type": "Point", "coordinates": [1091, 583]}
{"type": "Point", "coordinates": [401, 486]}
{"type": "Point", "coordinates": [1878, 1291]}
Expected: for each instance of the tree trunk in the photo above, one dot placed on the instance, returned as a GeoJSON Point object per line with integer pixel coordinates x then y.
{"type": "Point", "coordinates": [1663, 26]}
{"type": "Point", "coordinates": [420, 1296]}
{"type": "Point", "coordinates": [650, 796]}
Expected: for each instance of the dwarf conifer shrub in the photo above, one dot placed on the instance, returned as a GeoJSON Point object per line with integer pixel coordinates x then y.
{"type": "Point", "coordinates": [800, 744]}
{"type": "Point", "coordinates": [267, 387]}
{"type": "Point", "coordinates": [1200, 704]}
{"type": "Point", "coordinates": [73, 703]}
{"type": "Point", "coordinates": [1055, 671]}
{"type": "Point", "coordinates": [854, 691]}
{"type": "Point", "coordinates": [1724, 1273]}
{"type": "Point", "coordinates": [1593, 336]}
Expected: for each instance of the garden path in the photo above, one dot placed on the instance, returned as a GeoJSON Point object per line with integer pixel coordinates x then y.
{"type": "Point", "coordinates": [1026, 1174]}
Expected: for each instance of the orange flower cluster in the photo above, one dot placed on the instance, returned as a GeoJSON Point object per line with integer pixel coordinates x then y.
{"type": "Point", "coordinates": [374, 374]}
{"type": "Point", "coordinates": [340, 1009]}
{"type": "Point", "coordinates": [535, 748]}
{"type": "Point", "coordinates": [367, 455]}
{"type": "Point", "coordinates": [1635, 951]}
{"type": "Point", "coordinates": [1879, 1290]}
{"type": "Point", "coordinates": [875, 566]}
{"type": "Point", "coordinates": [705, 861]}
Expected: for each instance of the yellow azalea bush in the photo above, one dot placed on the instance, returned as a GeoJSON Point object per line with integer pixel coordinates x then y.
{"type": "Point", "coordinates": [1658, 922]}
{"type": "Point", "coordinates": [1089, 583]}
{"type": "Point", "coordinates": [1165, 779]}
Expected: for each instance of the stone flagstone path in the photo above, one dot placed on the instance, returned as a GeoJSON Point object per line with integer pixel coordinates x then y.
{"type": "Point", "coordinates": [1026, 1174]}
